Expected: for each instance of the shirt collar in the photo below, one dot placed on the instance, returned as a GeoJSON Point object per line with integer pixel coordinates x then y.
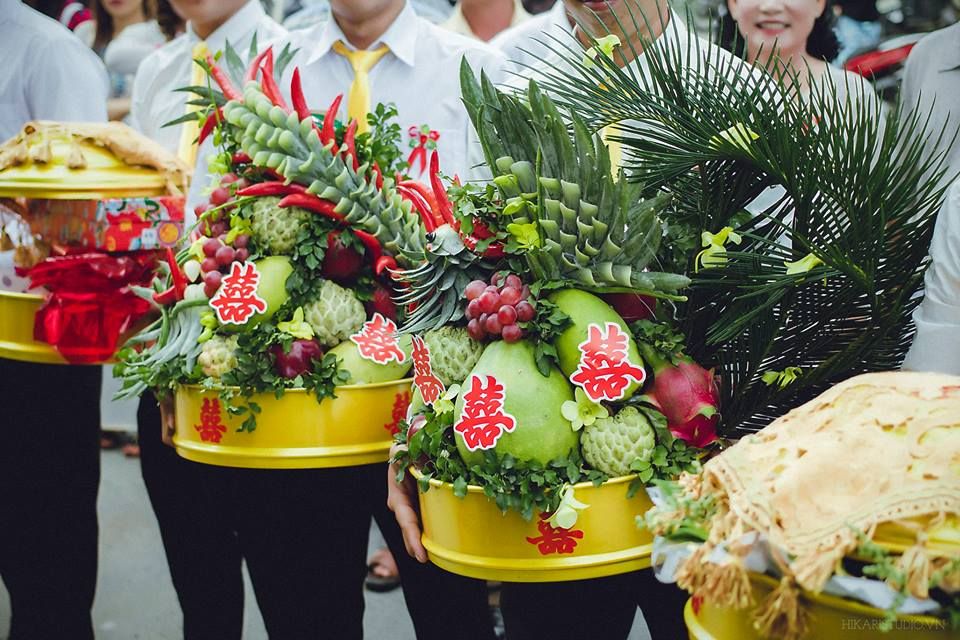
{"type": "Point", "coordinates": [244, 21]}
{"type": "Point", "coordinates": [400, 37]}
{"type": "Point", "coordinates": [558, 16]}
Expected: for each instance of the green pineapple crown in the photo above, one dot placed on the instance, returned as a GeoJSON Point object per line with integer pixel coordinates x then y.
{"type": "Point", "coordinates": [594, 228]}
{"type": "Point", "coordinates": [274, 138]}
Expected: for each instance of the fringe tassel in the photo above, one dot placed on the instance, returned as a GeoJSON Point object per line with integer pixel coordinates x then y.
{"type": "Point", "coordinates": [813, 571]}
{"type": "Point", "coordinates": [781, 616]}
{"type": "Point", "coordinates": [917, 567]}
{"type": "Point", "coordinates": [951, 581]}
{"type": "Point", "coordinates": [728, 585]}
{"type": "Point", "coordinates": [692, 573]}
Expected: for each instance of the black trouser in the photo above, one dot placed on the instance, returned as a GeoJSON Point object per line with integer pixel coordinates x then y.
{"type": "Point", "coordinates": [49, 476]}
{"type": "Point", "coordinates": [303, 534]}
{"type": "Point", "coordinates": [603, 608]}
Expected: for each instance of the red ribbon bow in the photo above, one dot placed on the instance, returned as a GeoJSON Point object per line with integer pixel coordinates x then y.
{"type": "Point", "coordinates": [419, 153]}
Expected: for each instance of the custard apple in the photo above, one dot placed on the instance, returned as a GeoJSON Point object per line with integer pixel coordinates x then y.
{"type": "Point", "coordinates": [218, 356]}
{"type": "Point", "coordinates": [335, 314]}
{"type": "Point", "coordinates": [274, 229]}
{"type": "Point", "coordinates": [453, 353]}
{"type": "Point", "coordinates": [612, 444]}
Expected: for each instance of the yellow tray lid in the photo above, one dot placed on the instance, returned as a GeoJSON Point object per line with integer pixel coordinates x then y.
{"type": "Point", "coordinates": [87, 161]}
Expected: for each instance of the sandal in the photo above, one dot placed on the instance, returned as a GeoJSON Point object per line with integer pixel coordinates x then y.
{"type": "Point", "coordinates": [382, 573]}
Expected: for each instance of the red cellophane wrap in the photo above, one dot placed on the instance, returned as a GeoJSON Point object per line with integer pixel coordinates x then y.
{"type": "Point", "coordinates": [90, 302]}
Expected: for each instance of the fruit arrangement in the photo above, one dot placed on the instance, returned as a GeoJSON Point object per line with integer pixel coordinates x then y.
{"type": "Point", "coordinates": [279, 290]}
{"type": "Point", "coordinates": [881, 547]}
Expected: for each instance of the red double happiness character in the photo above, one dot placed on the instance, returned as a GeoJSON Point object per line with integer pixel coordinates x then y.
{"type": "Point", "coordinates": [555, 539]}
{"type": "Point", "coordinates": [237, 301]}
{"type": "Point", "coordinates": [605, 371]}
{"type": "Point", "coordinates": [482, 420]}
{"type": "Point", "coordinates": [211, 427]}
{"type": "Point", "coordinates": [401, 402]}
{"type": "Point", "coordinates": [378, 341]}
{"type": "Point", "coordinates": [429, 385]}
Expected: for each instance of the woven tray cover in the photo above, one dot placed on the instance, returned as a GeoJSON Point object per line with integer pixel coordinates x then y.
{"type": "Point", "coordinates": [877, 447]}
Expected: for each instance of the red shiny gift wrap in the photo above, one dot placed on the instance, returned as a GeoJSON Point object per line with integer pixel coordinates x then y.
{"type": "Point", "coordinates": [90, 304]}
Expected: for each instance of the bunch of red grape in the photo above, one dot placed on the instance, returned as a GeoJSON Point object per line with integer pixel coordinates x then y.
{"type": "Point", "coordinates": [494, 309]}
{"type": "Point", "coordinates": [218, 255]}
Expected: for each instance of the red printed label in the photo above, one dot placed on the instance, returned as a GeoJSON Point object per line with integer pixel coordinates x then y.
{"type": "Point", "coordinates": [400, 404]}
{"type": "Point", "coordinates": [211, 427]}
{"type": "Point", "coordinates": [237, 301]}
{"type": "Point", "coordinates": [482, 420]}
{"type": "Point", "coordinates": [605, 371]}
{"type": "Point", "coordinates": [377, 341]}
{"type": "Point", "coordinates": [555, 539]}
{"type": "Point", "coordinates": [426, 382]}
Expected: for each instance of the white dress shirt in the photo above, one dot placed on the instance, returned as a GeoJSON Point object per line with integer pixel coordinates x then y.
{"type": "Point", "coordinates": [525, 45]}
{"type": "Point", "coordinates": [47, 73]}
{"type": "Point", "coordinates": [936, 346]}
{"type": "Point", "coordinates": [420, 75]}
{"type": "Point", "coordinates": [154, 101]}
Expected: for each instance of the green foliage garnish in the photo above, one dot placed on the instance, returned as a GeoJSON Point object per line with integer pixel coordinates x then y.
{"type": "Point", "coordinates": [694, 513]}
{"type": "Point", "coordinates": [670, 458]}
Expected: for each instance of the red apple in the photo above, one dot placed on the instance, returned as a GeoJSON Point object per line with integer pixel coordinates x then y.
{"type": "Point", "coordinates": [298, 360]}
{"type": "Point", "coordinates": [631, 306]}
{"type": "Point", "coordinates": [341, 263]}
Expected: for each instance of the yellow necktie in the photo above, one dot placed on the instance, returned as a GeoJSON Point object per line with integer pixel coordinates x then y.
{"type": "Point", "coordinates": [358, 102]}
{"type": "Point", "coordinates": [187, 150]}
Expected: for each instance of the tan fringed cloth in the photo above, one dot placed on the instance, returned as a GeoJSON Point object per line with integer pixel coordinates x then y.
{"type": "Point", "coordinates": [877, 448]}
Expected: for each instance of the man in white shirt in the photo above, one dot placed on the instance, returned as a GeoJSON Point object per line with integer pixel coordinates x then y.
{"type": "Point", "coordinates": [50, 456]}
{"type": "Point", "coordinates": [936, 346]}
{"type": "Point", "coordinates": [197, 506]}
{"type": "Point", "coordinates": [484, 19]}
{"type": "Point", "coordinates": [418, 72]}
{"type": "Point", "coordinates": [525, 44]}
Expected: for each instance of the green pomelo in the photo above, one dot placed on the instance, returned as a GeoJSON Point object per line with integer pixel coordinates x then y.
{"type": "Point", "coordinates": [585, 309]}
{"type": "Point", "coordinates": [363, 371]}
{"type": "Point", "coordinates": [542, 433]}
{"type": "Point", "coordinates": [274, 272]}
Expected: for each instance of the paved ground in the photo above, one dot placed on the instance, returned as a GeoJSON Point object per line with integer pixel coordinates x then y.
{"type": "Point", "coordinates": [135, 599]}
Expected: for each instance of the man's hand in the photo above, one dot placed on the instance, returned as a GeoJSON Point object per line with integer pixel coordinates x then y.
{"type": "Point", "coordinates": [402, 500]}
{"type": "Point", "coordinates": [167, 424]}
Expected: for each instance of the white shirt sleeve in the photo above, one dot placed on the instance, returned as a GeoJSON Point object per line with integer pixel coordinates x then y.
{"type": "Point", "coordinates": [936, 346]}
{"type": "Point", "coordinates": [139, 116]}
{"type": "Point", "coordinates": [67, 83]}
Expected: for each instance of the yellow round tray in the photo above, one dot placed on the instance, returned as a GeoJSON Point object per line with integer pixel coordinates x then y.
{"type": "Point", "coordinates": [471, 537]}
{"type": "Point", "coordinates": [942, 540]}
{"type": "Point", "coordinates": [16, 330]}
{"type": "Point", "coordinates": [831, 618]}
{"type": "Point", "coordinates": [294, 431]}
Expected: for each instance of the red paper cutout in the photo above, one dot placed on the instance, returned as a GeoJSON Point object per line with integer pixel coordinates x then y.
{"type": "Point", "coordinates": [605, 371]}
{"type": "Point", "coordinates": [377, 341]}
{"type": "Point", "coordinates": [422, 139]}
{"type": "Point", "coordinates": [237, 301]}
{"type": "Point", "coordinates": [211, 427]}
{"type": "Point", "coordinates": [555, 539]}
{"type": "Point", "coordinates": [401, 402]}
{"type": "Point", "coordinates": [426, 382]}
{"type": "Point", "coordinates": [482, 421]}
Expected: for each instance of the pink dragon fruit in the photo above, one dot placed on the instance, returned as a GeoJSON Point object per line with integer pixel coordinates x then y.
{"type": "Point", "coordinates": [688, 396]}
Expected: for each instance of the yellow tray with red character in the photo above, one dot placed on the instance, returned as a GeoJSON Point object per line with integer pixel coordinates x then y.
{"type": "Point", "coordinates": [471, 537]}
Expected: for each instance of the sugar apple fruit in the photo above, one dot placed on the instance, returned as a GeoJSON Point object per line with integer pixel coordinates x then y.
{"type": "Point", "coordinates": [218, 356]}
{"type": "Point", "coordinates": [453, 353]}
{"type": "Point", "coordinates": [274, 229]}
{"type": "Point", "coordinates": [335, 314]}
{"type": "Point", "coordinates": [612, 444]}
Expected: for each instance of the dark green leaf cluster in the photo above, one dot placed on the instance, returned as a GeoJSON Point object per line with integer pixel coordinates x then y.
{"type": "Point", "coordinates": [529, 488]}
{"type": "Point", "coordinates": [679, 517]}
{"type": "Point", "coordinates": [671, 456]}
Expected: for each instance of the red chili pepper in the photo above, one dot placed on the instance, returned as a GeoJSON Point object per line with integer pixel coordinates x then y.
{"type": "Point", "coordinates": [428, 197]}
{"type": "Point", "coordinates": [164, 298]}
{"type": "Point", "coordinates": [495, 251]}
{"type": "Point", "coordinates": [371, 244]}
{"type": "Point", "coordinates": [419, 205]}
{"type": "Point", "coordinates": [209, 124]}
{"type": "Point", "coordinates": [350, 143]}
{"type": "Point", "coordinates": [440, 193]}
{"type": "Point", "coordinates": [241, 158]}
{"type": "Point", "coordinates": [384, 263]}
{"type": "Point", "coordinates": [296, 96]}
{"type": "Point", "coordinates": [229, 91]}
{"type": "Point", "coordinates": [179, 279]}
{"type": "Point", "coordinates": [327, 134]}
{"type": "Point", "coordinates": [378, 175]}
{"type": "Point", "coordinates": [272, 188]}
{"type": "Point", "coordinates": [251, 73]}
{"type": "Point", "coordinates": [270, 88]}
{"type": "Point", "coordinates": [311, 203]}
